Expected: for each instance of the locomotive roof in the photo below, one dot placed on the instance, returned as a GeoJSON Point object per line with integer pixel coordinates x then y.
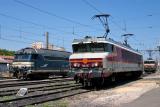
{"type": "Point", "coordinates": [104, 40]}
{"type": "Point", "coordinates": [44, 52]}
{"type": "Point", "coordinates": [149, 60]}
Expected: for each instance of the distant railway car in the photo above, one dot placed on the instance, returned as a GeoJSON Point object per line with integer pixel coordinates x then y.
{"type": "Point", "coordinates": [150, 65]}
{"type": "Point", "coordinates": [40, 63]}
{"type": "Point", "coordinates": [95, 60]}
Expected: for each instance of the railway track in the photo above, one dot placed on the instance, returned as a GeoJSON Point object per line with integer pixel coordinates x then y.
{"type": "Point", "coordinates": [43, 96]}
{"type": "Point", "coordinates": [38, 91]}
{"type": "Point", "coordinates": [43, 90]}
{"type": "Point", "coordinates": [33, 88]}
{"type": "Point", "coordinates": [24, 83]}
{"type": "Point", "coordinates": [7, 80]}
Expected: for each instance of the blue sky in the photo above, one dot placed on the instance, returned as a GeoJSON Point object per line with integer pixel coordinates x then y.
{"type": "Point", "coordinates": [25, 25]}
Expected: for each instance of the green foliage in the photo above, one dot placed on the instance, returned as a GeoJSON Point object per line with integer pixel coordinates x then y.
{"type": "Point", "coordinates": [6, 98]}
{"type": "Point", "coordinates": [6, 52]}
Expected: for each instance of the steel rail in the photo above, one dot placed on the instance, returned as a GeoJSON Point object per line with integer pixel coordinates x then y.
{"type": "Point", "coordinates": [23, 83]}
{"type": "Point", "coordinates": [6, 89]}
{"type": "Point", "coordinates": [42, 97]}
{"type": "Point", "coordinates": [36, 88]}
{"type": "Point", "coordinates": [8, 80]}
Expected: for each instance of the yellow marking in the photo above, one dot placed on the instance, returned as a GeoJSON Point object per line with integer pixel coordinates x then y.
{"type": "Point", "coordinates": [85, 61]}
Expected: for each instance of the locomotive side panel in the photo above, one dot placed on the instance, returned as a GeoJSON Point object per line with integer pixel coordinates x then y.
{"type": "Point", "coordinates": [122, 60]}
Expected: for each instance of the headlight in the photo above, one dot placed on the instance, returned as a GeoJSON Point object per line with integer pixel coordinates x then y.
{"type": "Point", "coordinates": [76, 65]}
{"type": "Point", "coordinates": [95, 64]}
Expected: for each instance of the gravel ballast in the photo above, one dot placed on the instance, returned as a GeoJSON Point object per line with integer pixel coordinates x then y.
{"type": "Point", "coordinates": [112, 97]}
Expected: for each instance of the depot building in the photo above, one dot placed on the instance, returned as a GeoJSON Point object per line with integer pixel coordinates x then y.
{"type": "Point", "coordinates": [5, 61]}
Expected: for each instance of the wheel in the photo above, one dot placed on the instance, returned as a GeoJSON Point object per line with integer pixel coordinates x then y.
{"type": "Point", "coordinates": [64, 75]}
{"type": "Point", "coordinates": [113, 78]}
{"type": "Point", "coordinates": [102, 81]}
{"type": "Point", "coordinates": [19, 75]}
{"type": "Point", "coordinates": [76, 79]}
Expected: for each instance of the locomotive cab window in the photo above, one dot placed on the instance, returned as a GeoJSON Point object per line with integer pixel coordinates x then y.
{"type": "Point", "coordinates": [149, 62]}
{"type": "Point", "coordinates": [109, 47]}
{"type": "Point", "coordinates": [25, 57]}
{"type": "Point", "coordinates": [80, 48]}
{"type": "Point", "coordinates": [34, 56]}
{"type": "Point", "coordinates": [20, 57]}
{"type": "Point", "coordinates": [92, 47]}
{"type": "Point", "coordinates": [97, 47]}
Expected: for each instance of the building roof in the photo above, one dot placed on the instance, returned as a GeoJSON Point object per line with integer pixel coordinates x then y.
{"type": "Point", "coordinates": [8, 59]}
{"type": "Point", "coordinates": [2, 60]}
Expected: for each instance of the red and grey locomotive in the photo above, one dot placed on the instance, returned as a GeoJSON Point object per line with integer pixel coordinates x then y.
{"type": "Point", "coordinates": [96, 59]}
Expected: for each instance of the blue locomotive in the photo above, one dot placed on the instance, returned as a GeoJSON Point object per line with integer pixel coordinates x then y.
{"type": "Point", "coordinates": [40, 63]}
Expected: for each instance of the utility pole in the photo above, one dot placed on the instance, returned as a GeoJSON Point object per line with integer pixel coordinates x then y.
{"type": "Point", "coordinates": [150, 52]}
{"type": "Point", "coordinates": [125, 26]}
{"type": "Point", "coordinates": [20, 31]}
{"type": "Point", "coordinates": [104, 20]}
{"type": "Point", "coordinates": [73, 31]}
{"type": "Point", "coordinates": [158, 48]}
{"type": "Point", "coordinates": [63, 41]}
{"type": "Point", "coordinates": [47, 40]}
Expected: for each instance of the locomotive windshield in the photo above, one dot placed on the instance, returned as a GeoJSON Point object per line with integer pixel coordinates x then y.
{"type": "Point", "coordinates": [26, 57]}
{"type": "Point", "coordinates": [149, 62]}
{"type": "Point", "coordinates": [92, 47]}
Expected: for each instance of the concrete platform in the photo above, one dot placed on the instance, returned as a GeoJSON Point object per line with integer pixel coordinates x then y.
{"type": "Point", "coordinates": [149, 99]}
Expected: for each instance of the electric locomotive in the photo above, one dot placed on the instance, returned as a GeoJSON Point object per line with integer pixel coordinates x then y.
{"type": "Point", "coordinates": [40, 63]}
{"type": "Point", "coordinates": [95, 60]}
{"type": "Point", "coordinates": [150, 65]}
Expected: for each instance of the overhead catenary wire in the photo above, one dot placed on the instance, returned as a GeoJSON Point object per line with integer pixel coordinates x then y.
{"type": "Point", "coordinates": [117, 25]}
{"type": "Point", "coordinates": [13, 40]}
{"type": "Point", "coordinates": [51, 14]}
{"type": "Point", "coordinates": [15, 36]}
{"type": "Point", "coordinates": [92, 6]}
{"type": "Point", "coordinates": [25, 38]}
{"type": "Point", "coordinates": [20, 41]}
{"type": "Point", "coordinates": [99, 11]}
{"type": "Point", "coordinates": [22, 31]}
{"type": "Point", "coordinates": [36, 24]}
{"type": "Point", "coordinates": [39, 25]}
{"type": "Point", "coordinates": [28, 32]}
